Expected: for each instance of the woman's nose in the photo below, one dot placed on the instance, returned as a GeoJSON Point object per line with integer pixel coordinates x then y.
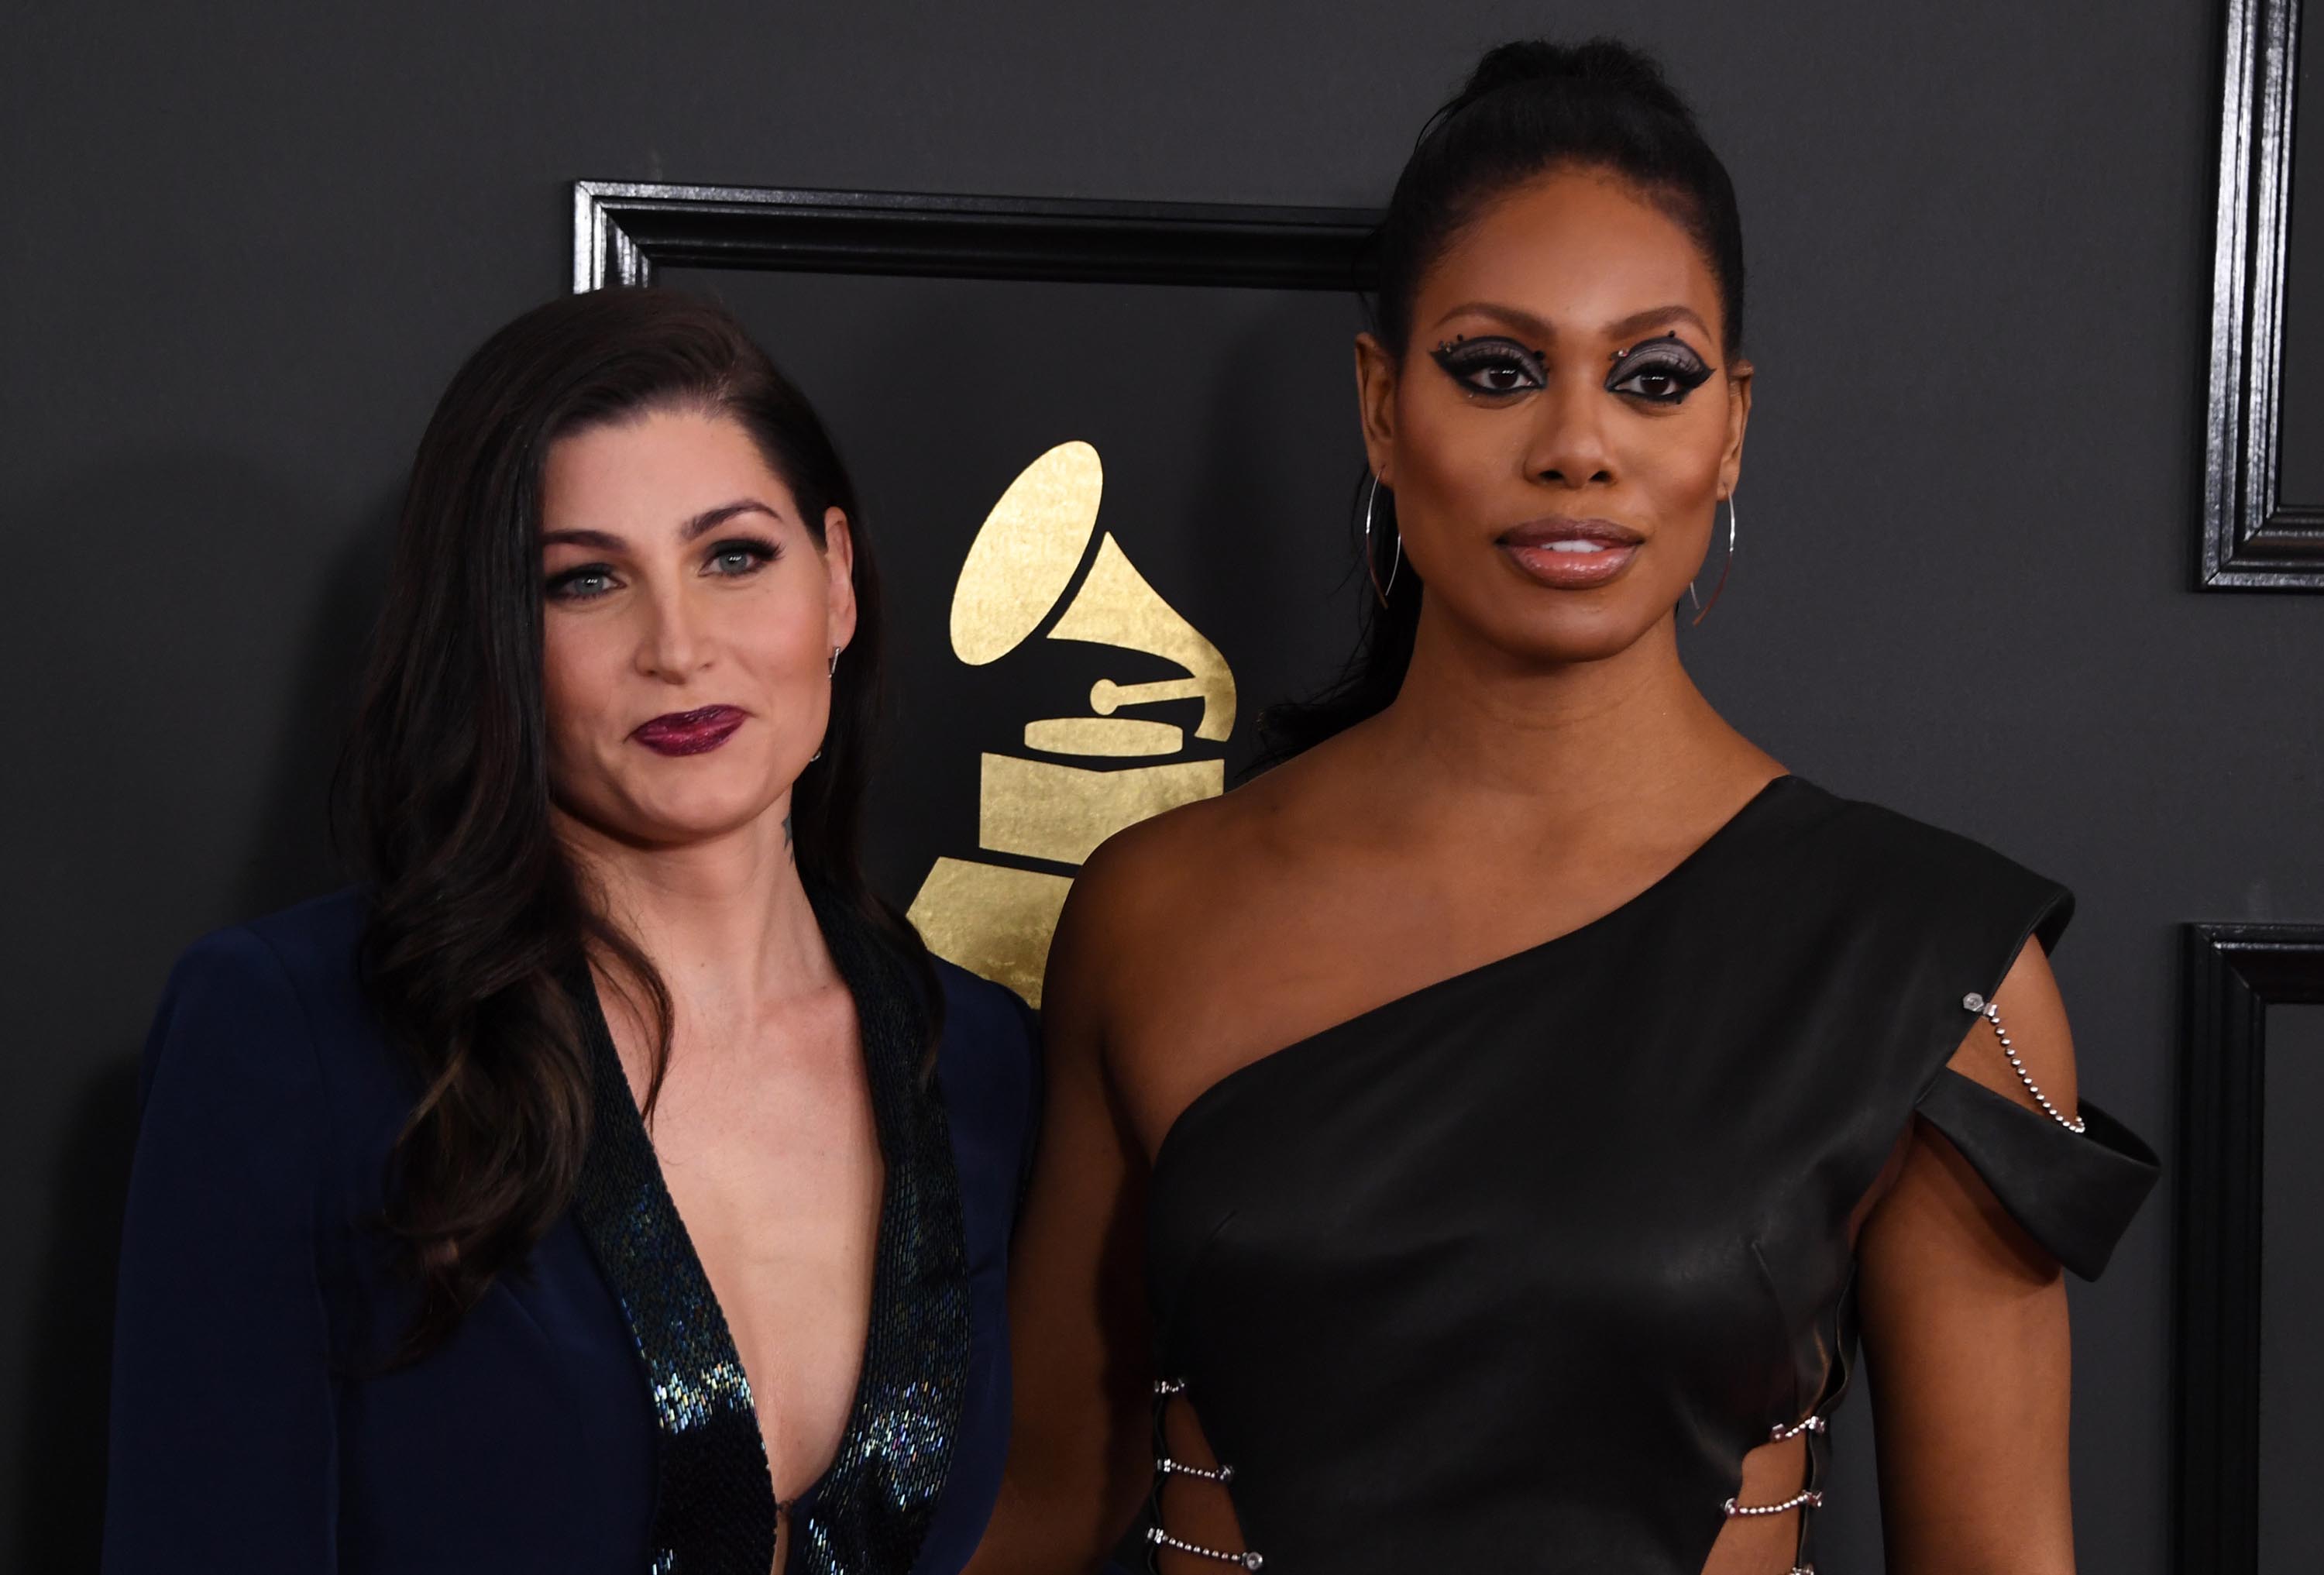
{"type": "Point", "coordinates": [1569, 445]}
{"type": "Point", "coordinates": [673, 645]}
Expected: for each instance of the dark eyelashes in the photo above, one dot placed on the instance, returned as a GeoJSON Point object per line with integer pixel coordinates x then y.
{"type": "Point", "coordinates": [754, 553]}
{"type": "Point", "coordinates": [759, 551]}
{"type": "Point", "coordinates": [1660, 371]}
{"type": "Point", "coordinates": [565, 585]}
{"type": "Point", "coordinates": [1668, 360]}
{"type": "Point", "coordinates": [1495, 365]}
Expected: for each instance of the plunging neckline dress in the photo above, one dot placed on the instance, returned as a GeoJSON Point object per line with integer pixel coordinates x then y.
{"type": "Point", "coordinates": [715, 1510]}
{"type": "Point", "coordinates": [588, 1414]}
{"type": "Point", "coordinates": [1510, 1273]}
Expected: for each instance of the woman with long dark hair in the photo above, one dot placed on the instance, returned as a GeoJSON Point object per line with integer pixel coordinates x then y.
{"type": "Point", "coordinates": [612, 1181]}
{"type": "Point", "coordinates": [1478, 1142]}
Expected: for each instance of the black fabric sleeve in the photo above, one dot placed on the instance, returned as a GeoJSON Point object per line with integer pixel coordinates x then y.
{"type": "Point", "coordinates": [223, 1451]}
{"type": "Point", "coordinates": [2074, 1194]}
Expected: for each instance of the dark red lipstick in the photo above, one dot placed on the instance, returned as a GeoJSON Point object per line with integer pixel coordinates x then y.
{"type": "Point", "coordinates": [690, 733]}
{"type": "Point", "coordinates": [1571, 555]}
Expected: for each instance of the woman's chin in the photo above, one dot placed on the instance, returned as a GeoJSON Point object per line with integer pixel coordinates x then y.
{"type": "Point", "coordinates": [1582, 629]}
{"type": "Point", "coordinates": [702, 813]}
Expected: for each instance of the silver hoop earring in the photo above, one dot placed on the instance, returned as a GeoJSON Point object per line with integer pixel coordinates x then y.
{"type": "Point", "coordinates": [1702, 608]}
{"type": "Point", "coordinates": [830, 671]}
{"type": "Point", "coordinates": [1371, 564]}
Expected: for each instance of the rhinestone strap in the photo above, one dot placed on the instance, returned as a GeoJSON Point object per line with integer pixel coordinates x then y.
{"type": "Point", "coordinates": [1811, 1499]}
{"type": "Point", "coordinates": [1813, 1424]}
{"type": "Point", "coordinates": [1162, 1539]}
{"type": "Point", "coordinates": [1165, 1468]}
{"type": "Point", "coordinates": [1991, 1012]}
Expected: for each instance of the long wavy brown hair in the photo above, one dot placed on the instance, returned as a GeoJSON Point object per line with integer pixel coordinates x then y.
{"type": "Point", "coordinates": [478, 919]}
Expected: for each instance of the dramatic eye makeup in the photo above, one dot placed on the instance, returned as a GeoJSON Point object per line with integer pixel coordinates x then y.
{"type": "Point", "coordinates": [582, 583]}
{"type": "Point", "coordinates": [738, 556]}
{"type": "Point", "coordinates": [1494, 365]}
{"type": "Point", "coordinates": [1661, 371]}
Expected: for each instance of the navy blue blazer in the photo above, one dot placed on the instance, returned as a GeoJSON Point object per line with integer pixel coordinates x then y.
{"type": "Point", "coordinates": [256, 1426]}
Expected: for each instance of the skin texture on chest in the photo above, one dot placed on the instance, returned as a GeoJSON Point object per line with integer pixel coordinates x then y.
{"type": "Point", "coordinates": [767, 1144]}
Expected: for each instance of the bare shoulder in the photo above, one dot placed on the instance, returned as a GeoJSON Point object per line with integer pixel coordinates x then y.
{"type": "Point", "coordinates": [1172, 921]}
{"type": "Point", "coordinates": [1137, 896]}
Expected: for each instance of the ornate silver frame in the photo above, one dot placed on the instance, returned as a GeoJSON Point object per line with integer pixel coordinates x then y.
{"type": "Point", "coordinates": [2253, 538]}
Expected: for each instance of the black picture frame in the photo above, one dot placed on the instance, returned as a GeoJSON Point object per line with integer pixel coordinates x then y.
{"type": "Point", "coordinates": [2253, 538]}
{"type": "Point", "coordinates": [997, 862]}
{"type": "Point", "coordinates": [2234, 973]}
{"type": "Point", "coordinates": [623, 230]}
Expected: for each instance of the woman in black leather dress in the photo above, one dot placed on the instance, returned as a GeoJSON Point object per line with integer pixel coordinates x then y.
{"type": "Point", "coordinates": [1480, 1142]}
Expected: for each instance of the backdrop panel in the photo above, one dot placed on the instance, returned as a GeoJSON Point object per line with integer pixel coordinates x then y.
{"type": "Point", "coordinates": [1112, 522]}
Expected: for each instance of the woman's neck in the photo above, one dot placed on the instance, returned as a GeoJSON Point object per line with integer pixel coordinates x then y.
{"type": "Point", "coordinates": [725, 920]}
{"type": "Point", "coordinates": [1471, 721]}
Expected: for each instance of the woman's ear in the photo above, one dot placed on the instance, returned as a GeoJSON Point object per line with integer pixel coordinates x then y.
{"type": "Point", "coordinates": [839, 565]}
{"type": "Point", "coordinates": [1376, 374]}
{"type": "Point", "coordinates": [1739, 417]}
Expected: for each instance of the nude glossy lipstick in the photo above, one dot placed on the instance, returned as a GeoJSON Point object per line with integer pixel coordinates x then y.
{"type": "Point", "coordinates": [690, 733]}
{"type": "Point", "coordinates": [1571, 555]}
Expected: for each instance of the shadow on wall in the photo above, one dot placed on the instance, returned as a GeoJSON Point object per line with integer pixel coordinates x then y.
{"type": "Point", "coordinates": [62, 1421]}
{"type": "Point", "coordinates": [292, 855]}
{"type": "Point", "coordinates": [62, 1490]}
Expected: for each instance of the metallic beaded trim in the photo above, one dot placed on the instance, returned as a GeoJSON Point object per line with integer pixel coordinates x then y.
{"type": "Point", "coordinates": [1167, 1466]}
{"type": "Point", "coordinates": [1781, 1434]}
{"type": "Point", "coordinates": [1811, 1499]}
{"type": "Point", "coordinates": [1991, 1013]}
{"type": "Point", "coordinates": [1164, 1390]}
{"type": "Point", "coordinates": [1162, 1539]}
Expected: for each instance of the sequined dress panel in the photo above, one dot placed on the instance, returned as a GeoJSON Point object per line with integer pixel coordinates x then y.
{"type": "Point", "coordinates": [587, 1416]}
{"type": "Point", "coordinates": [715, 1512]}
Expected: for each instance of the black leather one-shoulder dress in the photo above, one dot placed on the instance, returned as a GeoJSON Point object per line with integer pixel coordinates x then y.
{"type": "Point", "coordinates": [1510, 1273]}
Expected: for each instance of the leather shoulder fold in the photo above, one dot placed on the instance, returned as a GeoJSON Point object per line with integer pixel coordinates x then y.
{"type": "Point", "coordinates": [2074, 1192]}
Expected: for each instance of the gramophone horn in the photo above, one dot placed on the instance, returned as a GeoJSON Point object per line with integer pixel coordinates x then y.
{"type": "Point", "coordinates": [1024, 556]}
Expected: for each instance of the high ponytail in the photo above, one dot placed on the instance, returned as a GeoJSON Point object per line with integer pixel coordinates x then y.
{"type": "Point", "coordinates": [1528, 107]}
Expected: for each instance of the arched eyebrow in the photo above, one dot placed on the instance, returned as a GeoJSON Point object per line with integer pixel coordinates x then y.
{"type": "Point", "coordinates": [1544, 331]}
{"type": "Point", "coordinates": [709, 520]}
{"type": "Point", "coordinates": [699, 526]}
{"type": "Point", "coordinates": [1662, 316]}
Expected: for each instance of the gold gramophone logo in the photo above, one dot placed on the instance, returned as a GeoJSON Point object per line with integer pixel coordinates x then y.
{"type": "Point", "coordinates": [1038, 811]}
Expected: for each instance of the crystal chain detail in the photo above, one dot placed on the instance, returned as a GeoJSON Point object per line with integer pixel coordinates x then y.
{"type": "Point", "coordinates": [1162, 1539]}
{"type": "Point", "coordinates": [1809, 1499]}
{"type": "Point", "coordinates": [1813, 1424]}
{"type": "Point", "coordinates": [1991, 1012]}
{"type": "Point", "coordinates": [1164, 1391]}
{"type": "Point", "coordinates": [1168, 1467]}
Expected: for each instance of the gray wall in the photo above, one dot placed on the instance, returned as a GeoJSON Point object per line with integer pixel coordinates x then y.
{"type": "Point", "coordinates": [244, 246]}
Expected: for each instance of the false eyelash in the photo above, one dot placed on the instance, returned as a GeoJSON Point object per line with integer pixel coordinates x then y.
{"type": "Point", "coordinates": [760, 552]}
{"type": "Point", "coordinates": [559, 584]}
{"type": "Point", "coordinates": [1668, 356]}
{"type": "Point", "coordinates": [1462, 355]}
